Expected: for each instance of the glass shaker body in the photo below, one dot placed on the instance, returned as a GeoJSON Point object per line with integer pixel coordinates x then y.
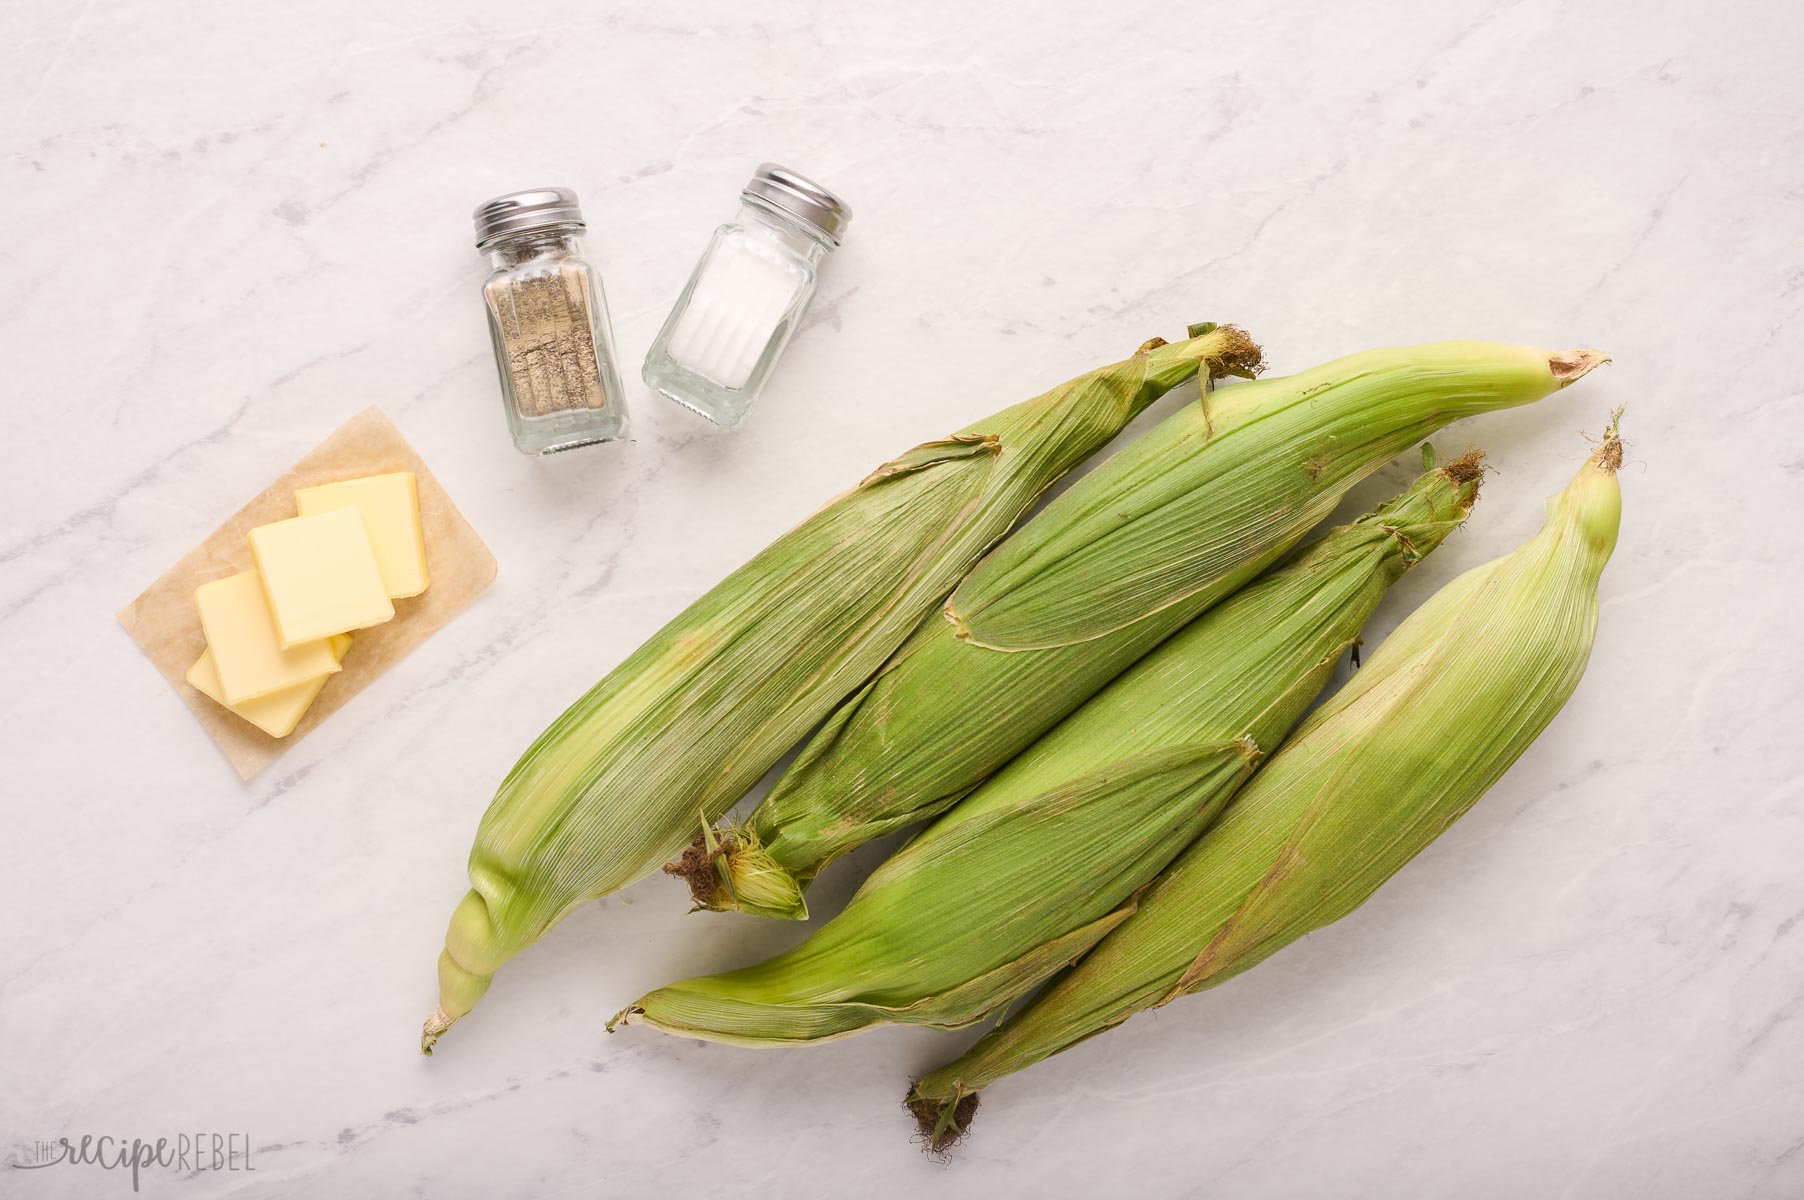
{"type": "Point", "coordinates": [745, 297]}
{"type": "Point", "coordinates": [554, 349]}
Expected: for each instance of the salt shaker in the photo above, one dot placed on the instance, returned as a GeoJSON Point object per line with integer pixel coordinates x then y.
{"type": "Point", "coordinates": [746, 295]}
{"type": "Point", "coordinates": [548, 319]}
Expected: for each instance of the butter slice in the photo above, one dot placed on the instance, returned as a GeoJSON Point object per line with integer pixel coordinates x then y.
{"type": "Point", "coordinates": [247, 652]}
{"type": "Point", "coordinates": [277, 713]}
{"type": "Point", "coordinates": [320, 576]}
{"type": "Point", "coordinates": [390, 505]}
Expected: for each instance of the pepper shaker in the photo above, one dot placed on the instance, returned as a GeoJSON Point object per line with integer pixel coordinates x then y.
{"type": "Point", "coordinates": [548, 319]}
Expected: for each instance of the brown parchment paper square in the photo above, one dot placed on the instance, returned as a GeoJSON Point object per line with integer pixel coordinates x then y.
{"type": "Point", "coordinates": [164, 624]}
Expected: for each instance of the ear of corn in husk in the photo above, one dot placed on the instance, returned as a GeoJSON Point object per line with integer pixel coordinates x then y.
{"type": "Point", "coordinates": [1437, 715]}
{"type": "Point", "coordinates": [699, 712]}
{"type": "Point", "coordinates": [1131, 553]}
{"type": "Point", "coordinates": [1033, 867]}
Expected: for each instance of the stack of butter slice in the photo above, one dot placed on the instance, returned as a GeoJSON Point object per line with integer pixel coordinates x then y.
{"type": "Point", "coordinates": [276, 633]}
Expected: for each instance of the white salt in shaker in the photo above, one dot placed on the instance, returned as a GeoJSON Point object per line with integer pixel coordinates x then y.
{"type": "Point", "coordinates": [746, 295]}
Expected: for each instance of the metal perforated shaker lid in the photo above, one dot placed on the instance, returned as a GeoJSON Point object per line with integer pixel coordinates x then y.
{"type": "Point", "coordinates": [796, 195]}
{"type": "Point", "coordinates": [519, 212]}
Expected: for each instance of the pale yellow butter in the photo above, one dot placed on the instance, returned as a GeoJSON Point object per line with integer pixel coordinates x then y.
{"type": "Point", "coordinates": [247, 652]}
{"type": "Point", "coordinates": [390, 505]}
{"type": "Point", "coordinates": [320, 575]}
{"type": "Point", "coordinates": [277, 713]}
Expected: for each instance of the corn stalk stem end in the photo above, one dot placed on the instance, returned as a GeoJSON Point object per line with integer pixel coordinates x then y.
{"type": "Point", "coordinates": [941, 1123]}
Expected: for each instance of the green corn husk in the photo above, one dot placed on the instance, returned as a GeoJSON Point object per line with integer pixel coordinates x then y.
{"type": "Point", "coordinates": [704, 708]}
{"type": "Point", "coordinates": [1449, 701]}
{"type": "Point", "coordinates": [1033, 867]}
{"type": "Point", "coordinates": [1133, 552]}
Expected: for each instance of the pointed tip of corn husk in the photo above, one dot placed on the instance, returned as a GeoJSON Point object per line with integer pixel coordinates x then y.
{"type": "Point", "coordinates": [1467, 467]}
{"type": "Point", "coordinates": [632, 1014]}
{"type": "Point", "coordinates": [1608, 455]}
{"type": "Point", "coordinates": [433, 1029]}
{"type": "Point", "coordinates": [1240, 355]}
{"type": "Point", "coordinates": [1569, 366]}
{"type": "Point", "coordinates": [941, 1125]}
{"type": "Point", "coordinates": [1228, 350]}
{"type": "Point", "coordinates": [1427, 512]}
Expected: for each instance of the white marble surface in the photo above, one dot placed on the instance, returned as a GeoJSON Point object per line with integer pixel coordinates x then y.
{"type": "Point", "coordinates": [229, 227]}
